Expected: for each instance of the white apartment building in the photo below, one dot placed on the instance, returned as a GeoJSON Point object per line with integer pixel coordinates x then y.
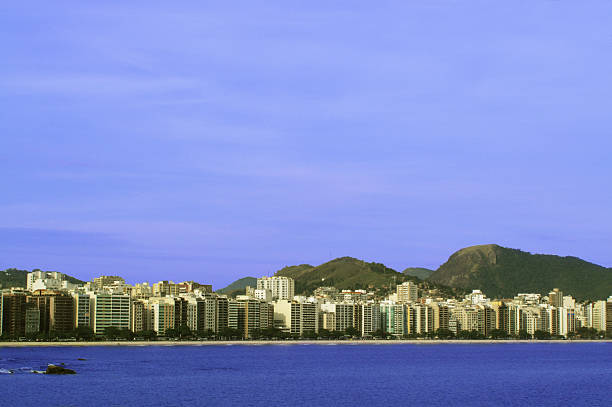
{"type": "Point", "coordinates": [282, 288]}
{"type": "Point", "coordinates": [46, 280]}
{"type": "Point", "coordinates": [407, 292]}
{"type": "Point", "coordinates": [109, 310]}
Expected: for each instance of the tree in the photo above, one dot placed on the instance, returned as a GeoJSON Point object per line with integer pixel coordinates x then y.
{"type": "Point", "coordinates": [172, 333]}
{"type": "Point", "coordinates": [523, 334]}
{"type": "Point", "coordinates": [352, 332]}
{"type": "Point", "coordinates": [148, 334]}
{"type": "Point", "coordinates": [309, 335]}
{"type": "Point", "coordinates": [111, 332]}
{"type": "Point", "coordinates": [443, 333]}
{"type": "Point", "coordinates": [184, 331]}
{"type": "Point", "coordinates": [498, 334]}
{"type": "Point", "coordinates": [541, 335]}
{"type": "Point", "coordinates": [379, 333]}
{"type": "Point", "coordinates": [83, 332]}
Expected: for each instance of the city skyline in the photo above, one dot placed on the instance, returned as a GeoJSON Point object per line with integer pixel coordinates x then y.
{"type": "Point", "coordinates": [210, 141]}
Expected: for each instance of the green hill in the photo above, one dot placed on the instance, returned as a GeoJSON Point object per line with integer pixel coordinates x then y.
{"type": "Point", "coordinates": [419, 272]}
{"type": "Point", "coordinates": [501, 272]}
{"type": "Point", "coordinates": [350, 273]}
{"type": "Point", "coordinates": [238, 285]}
{"type": "Point", "coordinates": [18, 278]}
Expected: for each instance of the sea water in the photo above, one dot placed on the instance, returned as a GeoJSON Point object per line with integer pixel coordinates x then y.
{"type": "Point", "coordinates": [542, 374]}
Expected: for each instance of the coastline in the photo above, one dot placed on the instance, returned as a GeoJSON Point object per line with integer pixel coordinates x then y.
{"type": "Point", "coordinates": [292, 342]}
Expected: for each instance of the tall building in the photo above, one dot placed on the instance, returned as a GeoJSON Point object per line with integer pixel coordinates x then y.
{"type": "Point", "coordinates": [101, 282]}
{"type": "Point", "coordinates": [282, 288]}
{"type": "Point", "coordinates": [222, 312]}
{"type": "Point", "coordinates": [555, 298]}
{"type": "Point", "coordinates": [196, 314]}
{"type": "Point", "coordinates": [110, 310]}
{"type": "Point", "coordinates": [609, 317]}
{"type": "Point", "coordinates": [296, 317]}
{"type": "Point", "coordinates": [139, 321]}
{"type": "Point", "coordinates": [599, 316]}
{"type": "Point", "coordinates": [487, 319]}
{"type": "Point", "coordinates": [44, 280]}
{"type": "Point", "coordinates": [162, 311]}
{"type": "Point", "coordinates": [13, 312]}
{"type": "Point", "coordinates": [165, 288]}
{"type": "Point", "coordinates": [82, 315]}
{"type": "Point", "coordinates": [394, 319]}
{"type": "Point", "coordinates": [407, 292]}
{"type": "Point", "coordinates": [370, 318]}
{"type": "Point", "coordinates": [32, 319]}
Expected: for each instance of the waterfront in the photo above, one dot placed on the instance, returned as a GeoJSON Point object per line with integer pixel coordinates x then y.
{"type": "Point", "coordinates": [313, 374]}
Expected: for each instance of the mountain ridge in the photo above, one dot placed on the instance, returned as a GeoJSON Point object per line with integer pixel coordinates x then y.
{"type": "Point", "coordinates": [503, 272]}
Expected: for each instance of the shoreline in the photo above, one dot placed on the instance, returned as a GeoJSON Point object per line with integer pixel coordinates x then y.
{"type": "Point", "coordinates": [292, 342]}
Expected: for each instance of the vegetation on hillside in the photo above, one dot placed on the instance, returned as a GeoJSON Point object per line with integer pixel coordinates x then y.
{"type": "Point", "coordinates": [238, 286]}
{"type": "Point", "coordinates": [502, 272]}
{"type": "Point", "coordinates": [419, 272]}
{"type": "Point", "coordinates": [350, 273]}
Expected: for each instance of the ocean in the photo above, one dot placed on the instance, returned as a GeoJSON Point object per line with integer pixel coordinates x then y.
{"type": "Point", "coordinates": [506, 374]}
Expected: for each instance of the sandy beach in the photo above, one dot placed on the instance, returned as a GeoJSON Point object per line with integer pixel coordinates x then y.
{"type": "Point", "coordinates": [290, 342]}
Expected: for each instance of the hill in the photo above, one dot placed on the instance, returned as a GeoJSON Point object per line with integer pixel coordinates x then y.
{"type": "Point", "coordinates": [350, 273]}
{"type": "Point", "coordinates": [238, 285]}
{"type": "Point", "coordinates": [419, 272]}
{"type": "Point", "coordinates": [18, 278]}
{"type": "Point", "coordinates": [502, 272]}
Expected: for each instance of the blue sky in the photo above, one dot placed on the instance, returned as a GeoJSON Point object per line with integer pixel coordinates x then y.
{"type": "Point", "coordinates": [210, 141]}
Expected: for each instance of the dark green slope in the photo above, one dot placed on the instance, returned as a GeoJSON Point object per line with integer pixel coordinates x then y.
{"type": "Point", "coordinates": [238, 285]}
{"type": "Point", "coordinates": [419, 272]}
{"type": "Point", "coordinates": [502, 272]}
{"type": "Point", "coordinates": [350, 273]}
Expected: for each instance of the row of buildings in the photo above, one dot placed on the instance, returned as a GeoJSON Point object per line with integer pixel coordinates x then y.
{"type": "Point", "coordinates": [51, 304]}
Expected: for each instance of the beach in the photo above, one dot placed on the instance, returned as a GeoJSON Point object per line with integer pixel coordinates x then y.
{"type": "Point", "coordinates": [290, 342]}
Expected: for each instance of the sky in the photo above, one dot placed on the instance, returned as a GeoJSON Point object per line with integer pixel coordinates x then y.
{"type": "Point", "coordinates": [210, 141]}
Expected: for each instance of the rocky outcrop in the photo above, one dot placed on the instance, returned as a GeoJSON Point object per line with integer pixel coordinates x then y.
{"type": "Point", "coordinates": [53, 369]}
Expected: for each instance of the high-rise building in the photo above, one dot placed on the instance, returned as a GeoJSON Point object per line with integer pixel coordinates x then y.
{"type": "Point", "coordinates": [139, 321]}
{"type": "Point", "coordinates": [82, 303]}
{"type": "Point", "coordinates": [44, 280]}
{"type": "Point", "coordinates": [162, 314]}
{"type": "Point", "coordinates": [13, 311]}
{"type": "Point", "coordinates": [609, 317]}
{"type": "Point", "coordinates": [599, 316]}
{"type": "Point", "coordinates": [108, 310]}
{"type": "Point", "coordinates": [370, 318]}
{"type": "Point", "coordinates": [282, 288]}
{"type": "Point", "coordinates": [394, 319]}
{"type": "Point", "coordinates": [297, 317]}
{"type": "Point", "coordinates": [165, 288]}
{"type": "Point", "coordinates": [101, 282]}
{"type": "Point", "coordinates": [196, 314]}
{"type": "Point", "coordinates": [487, 319]}
{"type": "Point", "coordinates": [407, 292]}
{"type": "Point", "coordinates": [555, 298]}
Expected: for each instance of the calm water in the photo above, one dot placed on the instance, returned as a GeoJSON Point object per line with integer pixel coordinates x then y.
{"type": "Point", "coordinates": [313, 375]}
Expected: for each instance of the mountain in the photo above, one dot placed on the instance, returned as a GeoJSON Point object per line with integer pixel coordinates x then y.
{"type": "Point", "coordinates": [350, 273]}
{"type": "Point", "coordinates": [501, 272]}
{"type": "Point", "coordinates": [238, 285]}
{"type": "Point", "coordinates": [418, 272]}
{"type": "Point", "coordinates": [18, 278]}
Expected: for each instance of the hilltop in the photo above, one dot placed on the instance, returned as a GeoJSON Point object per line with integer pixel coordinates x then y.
{"type": "Point", "coordinates": [419, 272]}
{"type": "Point", "coordinates": [502, 272]}
{"type": "Point", "coordinates": [238, 286]}
{"type": "Point", "coordinates": [350, 273]}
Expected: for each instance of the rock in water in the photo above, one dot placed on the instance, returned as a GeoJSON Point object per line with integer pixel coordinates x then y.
{"type": "Point", "coordinates": [53, 369]}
